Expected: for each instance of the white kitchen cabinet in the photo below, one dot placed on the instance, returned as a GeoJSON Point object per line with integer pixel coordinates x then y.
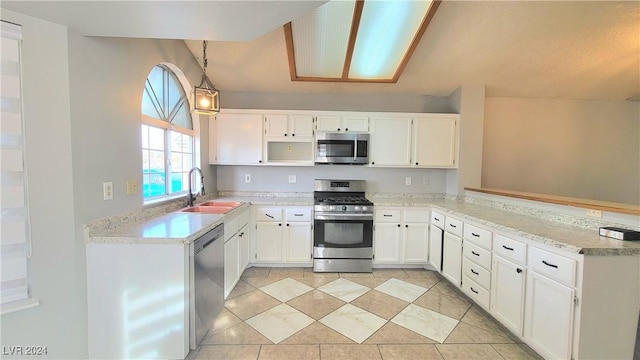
{"type": "Point", "coordinates": [298, 236]}
{"type": "Point", "coordinates": [343, 123]}
{"type": "Point", "coordinates": [284, 235]}
{"type": "Point", "coordinates": [236, 139]}
{"type": "Point", "coordinates": [507, 293]}
{"type": "Point", "coordinates": [386, 243]}
{"type": "Point", "coordinates": [269, 242]}
{"type": "Point", "coordinates": [415, 236]}
{"type": "Point", "coordinates": [549, 317]}
{"type": "Point", "coordinates": [435, 247]}
{"type": "Point", "coordinates": [435, 141]}
{"type": "Point", "coordinates": [243, 249]}
{"type": "Point", "coordinates": [231, 264]}
{"type": "Point", "coordinates": [452, 258]}
{"type": "Point", "coordinates": [285, 125]}
{"type": "Point", "coordinates": [390, 141]}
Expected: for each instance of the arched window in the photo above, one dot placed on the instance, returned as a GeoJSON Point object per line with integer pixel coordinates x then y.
{"type": "Point", "coordinates": [168, 136]}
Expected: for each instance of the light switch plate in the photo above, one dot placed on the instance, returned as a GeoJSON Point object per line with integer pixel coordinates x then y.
{"type": "Point", "coordinates": [292, 179]}
{"type": "Point", "coordinates": [407, 181]}
{"type": "Point", "coordinates": [132, 187]}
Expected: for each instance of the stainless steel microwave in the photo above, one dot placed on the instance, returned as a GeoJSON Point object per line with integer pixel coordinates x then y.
{"type": "Point", "coordinates": [342, 148]}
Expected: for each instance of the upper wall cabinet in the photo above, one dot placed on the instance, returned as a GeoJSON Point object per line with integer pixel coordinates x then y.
{"type": "Point", "coordinates": [343, 123]}
{"type": "Point", "coordinates": [288, 125]}
{"type": "Point", "coordinates": [435, 140]}
{"type": "Point", "coordinates": [236, 139]}
{"type": "Point", "coordinates": [390, 141]}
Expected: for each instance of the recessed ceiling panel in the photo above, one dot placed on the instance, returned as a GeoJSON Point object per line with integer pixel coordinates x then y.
{"type": "Point", "coordinates": [387, 29]}
{"type": "Point", "coordinates": [321, 38]}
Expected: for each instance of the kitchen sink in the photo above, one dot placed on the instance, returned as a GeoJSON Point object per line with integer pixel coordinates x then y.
{"type": "Point", "coordinates": [231, 204]}
{"type": "Point", "coordinates": [208, 209]}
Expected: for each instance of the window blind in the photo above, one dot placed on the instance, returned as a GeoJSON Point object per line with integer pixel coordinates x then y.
{"type": "Point", "coordinates": [14, 221]}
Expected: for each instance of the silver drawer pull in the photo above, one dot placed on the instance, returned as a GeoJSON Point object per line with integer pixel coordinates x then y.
{"type": "Point", "coordinates": [549, 264]}
{"type": "Point", "coordinates": [508, 248]}
{"type": "Point", "coordinates": [476, 235]}
{"type": "Point", "coordinates": [475, 253]}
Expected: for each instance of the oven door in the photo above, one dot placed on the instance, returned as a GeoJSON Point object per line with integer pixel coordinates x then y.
{"type": "Point", "coordinates": [344, 231]}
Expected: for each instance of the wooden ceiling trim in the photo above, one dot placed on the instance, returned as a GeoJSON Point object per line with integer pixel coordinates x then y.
{"type": "Point", "coordinates": [288, 38]}
{"type": "Point", "coordinates": [355, 24]}
{"type": "Point", "coordinates": [347, 80]}
{"type": "Point", "coordinates": [416, 40]}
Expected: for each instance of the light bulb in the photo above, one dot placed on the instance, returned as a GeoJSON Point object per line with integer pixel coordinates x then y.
{"type": "Point", "coordinates": [204, 102]}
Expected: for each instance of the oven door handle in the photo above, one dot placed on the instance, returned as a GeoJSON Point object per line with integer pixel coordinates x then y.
{"type": "Point", "coordinates": [355, 217]}
{"type": "Point", "coordinates": [355, 149]}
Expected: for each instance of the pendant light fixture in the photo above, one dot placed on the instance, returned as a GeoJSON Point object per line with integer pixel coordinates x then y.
{"type": "Point", "coordinates": [206, 98]}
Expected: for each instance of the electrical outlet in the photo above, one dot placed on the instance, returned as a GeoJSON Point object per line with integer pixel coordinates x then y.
{"type": "Point", "coordinates": [292, 179]}
{"type": "Point", "coordinates": [425, 180]}
{"type": "Point", "coordinates": [247, 178]}
{"type": "Point", "coordinates": [132, 187]}
{"type": "Point", "coordinates": [290, 147]}
{"type": "Point", "coordinates": [107, 190]}
{"type": "Point", "coordinates": [594, 213]}
{"type": "Point", "coordinates": [407, 181]}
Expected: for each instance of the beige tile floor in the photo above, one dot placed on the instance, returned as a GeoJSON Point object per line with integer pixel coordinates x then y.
{"type": "Point", "coordinates": [293, 313]}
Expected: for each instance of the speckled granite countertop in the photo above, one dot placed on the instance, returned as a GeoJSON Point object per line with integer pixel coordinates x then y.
{"type": "Point", "coordinates": [182, 228]}
{"type": "Point", "coordinates": [569, 237]}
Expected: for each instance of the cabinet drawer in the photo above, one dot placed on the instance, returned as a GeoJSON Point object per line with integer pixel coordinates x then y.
{"type": "Point", "coordinates": [476, 292]}
{"type": "Point", "coordinates": [269, 214]}
{"type": "Point", "coordinates": [510, 249]}
{"type": "Point", "coordinates": [479, 274]}
{"type": "Point", "coordinates": [416, 216]}
{"type": "Point", "coordinates": [453, 226]}
{"type": "Point", "coordinates": [243, 218]}
{"type": "Point", "coordinates": [230, 226]}
{"type": "Point", "coordinates": [480, 237]}
{"type": "Point", "coordinates": [388, 215]}
{"type": "Point", "coordinates": [437, 219]}
{"type": "Point", "coordinates": [477, 255]}
{"type": "Point", "coordinates": [555, 266]}
{"type": "Point", "coordinates": [297, 214]}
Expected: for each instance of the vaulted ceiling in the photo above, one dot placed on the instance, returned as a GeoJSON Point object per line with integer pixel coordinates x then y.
{"type": "Point", "coordinates": [545, 49]}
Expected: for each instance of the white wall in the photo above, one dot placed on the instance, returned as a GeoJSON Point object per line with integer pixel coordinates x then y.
{"type": "Point", "coordinates": [82, 109]}
{"type": "Point", "coordinates": [276, 178]}
{"type": "Point", "coordinates": [577, 148]}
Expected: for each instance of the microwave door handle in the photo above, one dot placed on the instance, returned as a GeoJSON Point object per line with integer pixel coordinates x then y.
{"type": "Point", "coordinates": [355, 149]}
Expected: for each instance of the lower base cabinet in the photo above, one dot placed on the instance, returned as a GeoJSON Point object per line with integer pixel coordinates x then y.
{"type": "Point", "coordinates": [507, 293]}
{"type": "Point", "coordinates": [283, 235]}
{"type": "Point", "coordinates": [549, 317]}
{"type": "Point", "coordinates": [452, 258]}
{"type": "Point", "coordinates": [231, 265]}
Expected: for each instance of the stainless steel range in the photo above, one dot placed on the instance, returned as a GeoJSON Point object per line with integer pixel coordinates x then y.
{"type": "Point", "coordinates": [343, 227]}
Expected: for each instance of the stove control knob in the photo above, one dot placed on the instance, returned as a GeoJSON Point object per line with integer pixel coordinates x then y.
{"type": "Point", "coordinates": [364, 208]}
{"type": "Point", "coordinates": [344, 207]}
{"type": "Point", "coordinates": [357, 208]}
{"type": "Point", "coordinates": [331, 208]}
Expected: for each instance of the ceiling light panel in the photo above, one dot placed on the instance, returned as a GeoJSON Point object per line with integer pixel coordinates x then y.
{"type": "Point", "coordinates": [386, 31]}
{"type": "Point", "coordinates": [321, 38]}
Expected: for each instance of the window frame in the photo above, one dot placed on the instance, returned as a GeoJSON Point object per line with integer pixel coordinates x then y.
{"type": "Point", "coordinates": [168, 127]}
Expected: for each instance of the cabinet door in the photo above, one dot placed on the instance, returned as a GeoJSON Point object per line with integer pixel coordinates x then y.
{"type": "Point", "coordinates": [269, 242]}
{"type": "Point", "coordinates": [328, 123]}
{"type": "Point", "coordinates": [238, 139]}
{"type": "Point", "coordinates": [435, 141]}
{"type": "Point", "coordinates": [243, 249]}
{"type": "Point", "coordinates": [356, 123]}
{"type": "Point", "coordinates": [391, 142]}
{"type": "Point", "coordinates": [452, 258]}
{"type": "Point", "coordinates": [231, 274]}
{"type": "Point", "coordinates": [549, 317]}
{"type": "Point", "coordinates": [386, 243]}
{"type": "Point", "coordinates": [276, 125]}
{"type": "Point", "coordinates": [507, 293]}
{"type": "Point", "coordinates": [416, 240]}
{"type": "Point", "coordinates": [435, 247]}
{"type": "Point", "coordinates": [301, 125]}
{"type": "Point", "coordinates": [298, 241]}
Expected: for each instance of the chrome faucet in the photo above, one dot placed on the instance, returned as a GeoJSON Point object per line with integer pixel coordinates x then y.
{"type": "Point", "coordinates": [191, 196]}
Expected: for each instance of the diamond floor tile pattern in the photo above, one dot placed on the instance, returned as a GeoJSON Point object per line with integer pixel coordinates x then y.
{"type": "Point", "coordinates": [344, 290]}
{"type": "Point", "coordinates": [355, 323]}
{"type": "Point", "coordinates": [280, 322]}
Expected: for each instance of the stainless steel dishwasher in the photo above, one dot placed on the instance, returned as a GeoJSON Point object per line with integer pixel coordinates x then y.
{"type": "Point", "coordinates": [207, 283]}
